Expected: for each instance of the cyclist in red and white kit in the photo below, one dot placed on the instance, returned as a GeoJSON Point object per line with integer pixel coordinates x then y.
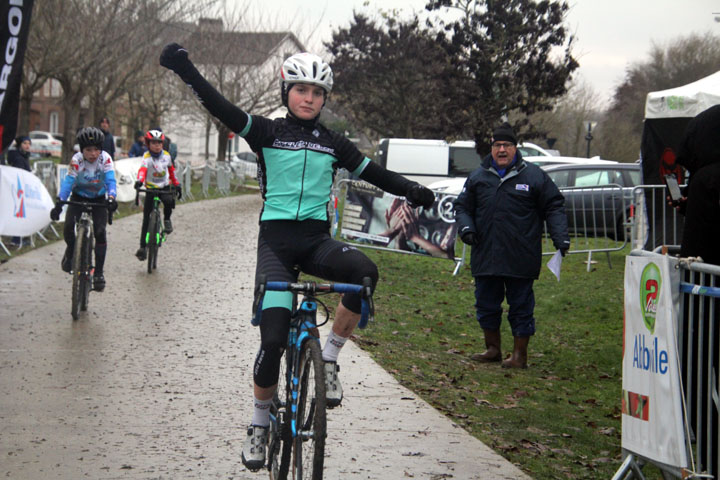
{"type": "Point", "coordinates": [157, 171]}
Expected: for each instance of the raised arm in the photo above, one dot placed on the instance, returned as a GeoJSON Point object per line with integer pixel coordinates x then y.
{"type": "Point", "coordinates": [175, 58]}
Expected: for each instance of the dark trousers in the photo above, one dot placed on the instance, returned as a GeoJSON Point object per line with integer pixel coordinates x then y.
{"type": "Point", "coordinates": [489, 294]}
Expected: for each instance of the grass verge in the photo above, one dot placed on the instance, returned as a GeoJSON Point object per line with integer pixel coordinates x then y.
{"type": "Point", "coordinates": [558, 419]}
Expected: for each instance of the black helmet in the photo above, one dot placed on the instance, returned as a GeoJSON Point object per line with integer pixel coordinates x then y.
{"type": "Point", "coordinates": [90, 137]}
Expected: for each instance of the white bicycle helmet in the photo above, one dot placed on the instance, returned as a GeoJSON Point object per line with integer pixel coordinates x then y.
{"type": "Point", "coordinates": [307, 68]}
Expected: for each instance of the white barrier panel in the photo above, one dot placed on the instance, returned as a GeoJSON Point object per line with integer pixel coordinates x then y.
{"type": "Point", "coordinates": [652, 414]}
{"type": "Point", "coordinates": [25, 203]}
{"type": "Point", "coordinates": [125, 175]}
{"type": "Point", "coordinates": [380, 219]}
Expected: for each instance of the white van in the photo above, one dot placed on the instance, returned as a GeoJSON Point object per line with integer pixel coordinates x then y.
{"type": "Point", "coordinates": [427, 161]}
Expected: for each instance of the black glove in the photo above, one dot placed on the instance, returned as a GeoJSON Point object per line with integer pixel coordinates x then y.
{"type": "Point", "coordinates": [138, 184]}
{"type": "Point", "coordinates": [175, 57]}
{"type": "Point", "coordinates": [178, 191]}
{"type": "Point", "coordinates": [112, 204]}
{"type": "Point", "coordinates": [469, 238]}
{"type": "Point", "coordinates": [563, 251]}
{"type": "Point", "coordinates": [419, 195]}
{"type": "Point", "coordinates": [55, 212]}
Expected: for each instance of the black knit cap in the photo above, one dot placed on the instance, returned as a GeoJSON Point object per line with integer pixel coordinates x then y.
{"type": "Point", "coordinates": [504, 133]}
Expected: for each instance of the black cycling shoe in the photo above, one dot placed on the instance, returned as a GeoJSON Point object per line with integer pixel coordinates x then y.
{"type": "Point", "coordinates": [66, 263]}
{"type": "Point", "coordinates": [168, 226]}
{"type": "Point", "coordinates": [99, 283]}
{"type": "Point", "coordinates": [141, 254]}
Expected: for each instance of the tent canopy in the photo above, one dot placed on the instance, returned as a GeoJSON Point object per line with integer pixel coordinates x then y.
{"type": "Point", "coordinates": [686, 101]}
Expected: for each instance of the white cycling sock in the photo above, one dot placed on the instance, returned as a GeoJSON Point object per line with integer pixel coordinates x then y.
{"type": "Point", "coordinates": [261, 412]}
{"type": "Point", "coordinates": [333, 344]}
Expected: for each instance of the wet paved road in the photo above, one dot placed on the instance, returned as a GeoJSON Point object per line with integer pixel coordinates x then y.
{"type": "Point", "coordinates": [154, 381]}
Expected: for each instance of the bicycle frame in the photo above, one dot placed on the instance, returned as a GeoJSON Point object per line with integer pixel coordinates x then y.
{"type": "Point", "coordinates": [299, 404]}
{"type": "Point", "coordinates": [84, 243]}
{"type": "Point", "coordinates": [155, 224]}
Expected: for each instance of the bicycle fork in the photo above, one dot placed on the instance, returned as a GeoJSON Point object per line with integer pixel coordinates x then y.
{"type": "Point", "coordinates": [306, 332]}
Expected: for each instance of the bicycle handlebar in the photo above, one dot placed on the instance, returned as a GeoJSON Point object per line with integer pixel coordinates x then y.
{"type": "Point", "coordinates": [312, 288]}
{"type": "Point", "coordinates": [89, 206]}
{"type": "Point", "coordinates": [168, 189]}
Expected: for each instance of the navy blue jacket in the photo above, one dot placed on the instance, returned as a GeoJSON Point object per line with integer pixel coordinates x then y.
{"type": "Point", "coordinates": [507, 215]}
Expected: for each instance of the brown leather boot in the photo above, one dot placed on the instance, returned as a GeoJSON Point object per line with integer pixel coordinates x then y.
{"type": "Point", "coordinates": [518, 359]}
{"type": "Point", "coordinates": [492, 343]}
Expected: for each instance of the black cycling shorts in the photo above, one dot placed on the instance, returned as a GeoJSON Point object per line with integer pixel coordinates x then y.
{"type": "Point", "coordinates": [286, 248]}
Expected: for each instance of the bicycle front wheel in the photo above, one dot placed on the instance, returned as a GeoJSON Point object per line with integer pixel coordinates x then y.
{"type": "Point", "coordinates": [309, 443]}
{"type": "Point", "coordinates": [87, 267]}
{"type": "Point", "coordinates": [152, 241]}
{"type": "Point", "coordinates": [280, 438]}
{"type": "Point", "coordinates": [78, 270]}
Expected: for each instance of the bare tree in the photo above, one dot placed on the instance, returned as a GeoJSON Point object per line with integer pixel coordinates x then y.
{"type": "Point", "coordinates": [246, 73]}
{"type": "Point", "coordinates": [680, 61]}
{"type": "Point", "coordinates": [99, 48]}
{"type": "Point", "coordinates": [567, 121]}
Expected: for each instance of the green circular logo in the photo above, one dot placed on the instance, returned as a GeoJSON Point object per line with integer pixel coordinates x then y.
{"type": "Point", "coordinates": [650, 282]}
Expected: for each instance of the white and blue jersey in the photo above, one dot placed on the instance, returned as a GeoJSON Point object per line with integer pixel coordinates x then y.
{"type": "Point", "coordinates": [89, 180]}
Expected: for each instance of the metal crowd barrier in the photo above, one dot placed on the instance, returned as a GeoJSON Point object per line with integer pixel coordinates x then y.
{"type": "Point", "coordinates": [597, 220]}
{"type": "Point", "coordinates": [698, 340]}
{"type": "Point", "coordinates": [654, 223]}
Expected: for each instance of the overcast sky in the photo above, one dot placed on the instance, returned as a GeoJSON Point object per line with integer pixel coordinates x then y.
{"type": "Point", "coordinates": [611, 34]}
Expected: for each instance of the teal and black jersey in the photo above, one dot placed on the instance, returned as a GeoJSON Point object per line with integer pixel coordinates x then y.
{"type": "Point", "coordinates": [296, 165]}
{"type": "Point", "coordinates": [297, 158]}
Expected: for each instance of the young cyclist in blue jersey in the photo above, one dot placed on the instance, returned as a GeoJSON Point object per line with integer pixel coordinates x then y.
{"type": "Point", "coordinates": [297, 159]}
{"type": "Point", "coordinates": [90, 178]}
{"type": "Point", "coordinates": [156, 171]}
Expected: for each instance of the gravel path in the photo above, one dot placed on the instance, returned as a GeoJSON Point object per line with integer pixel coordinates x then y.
{"type": "Point", "coordinates": [154, 381]}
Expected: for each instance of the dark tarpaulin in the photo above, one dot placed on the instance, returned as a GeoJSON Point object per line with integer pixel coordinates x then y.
{"type": "Point", "coordinates": [661, 140]}
{"type": "Point", "coordinates": [14, 28]}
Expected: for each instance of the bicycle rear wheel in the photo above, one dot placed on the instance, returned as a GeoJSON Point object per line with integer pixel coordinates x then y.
{"type": "Point", "coordinates": [280, 438]}
{"type": "Point", "coordinates": [78, 270]}
{"type": "Point", "coordinates": [152, 243]}
{"type": "Point", "coordinates": [309, 444]}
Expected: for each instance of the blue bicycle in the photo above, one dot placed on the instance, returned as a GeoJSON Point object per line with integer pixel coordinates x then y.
{"type": "Point", "coordinates": [298, 411]}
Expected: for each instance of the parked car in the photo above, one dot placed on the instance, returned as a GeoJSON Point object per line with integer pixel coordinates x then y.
{"type": "Point", "coordinates": [45, 144]}
{"type": "Point", "coordinates": [559, 160]}
{"type": "Point", "coordinates": [528, 149]}
{"type": "Point", "coordinates": [597, 196]}
{"type": "Point", "coordinates": [453, 185]}
{"type": "Point", "coordinates": [244, 163]}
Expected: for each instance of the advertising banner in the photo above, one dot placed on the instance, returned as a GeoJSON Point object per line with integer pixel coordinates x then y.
{"type": "Point", "coordinates": [14, 28]}
{"type": "Point", "coordinates": [380, 219]}
{"type": "Point", "coordinates": [652, 415]}
{"type": "Point", "coordinates": [25, 203]}
{"type": "Point", "coordinates": [125, 175]}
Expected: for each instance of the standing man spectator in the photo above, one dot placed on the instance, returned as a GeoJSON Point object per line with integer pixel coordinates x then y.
{"type": "Point", "coordinates": [109, 145]}
{"type": "Point", "coordinates": [500, 213]}
{"type": "Point", "coordinates": [138, 148]}
{"type": "Point", "coordinates": [20, 157]}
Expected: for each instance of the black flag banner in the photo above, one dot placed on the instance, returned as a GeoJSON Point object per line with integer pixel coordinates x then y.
{"type": "Point", "coordinates": [14, 28]}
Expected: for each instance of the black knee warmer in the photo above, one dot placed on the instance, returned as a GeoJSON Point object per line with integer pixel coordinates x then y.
{"type": "Point", "coordinates": [364, 268]}
{"type": "Point", "coordinates": [274, 329]}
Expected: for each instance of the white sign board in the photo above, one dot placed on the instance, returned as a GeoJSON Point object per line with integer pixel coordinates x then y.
{"type": "Point", "coordinates": [25, 203]}
{"type": "Point", "coordinates": [125, 175]}
{"type": "Point", "coordinates": [652, 418]}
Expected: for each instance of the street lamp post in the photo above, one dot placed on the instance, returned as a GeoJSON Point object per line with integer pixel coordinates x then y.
{"type": "Point", "coordinates": [589, 136]}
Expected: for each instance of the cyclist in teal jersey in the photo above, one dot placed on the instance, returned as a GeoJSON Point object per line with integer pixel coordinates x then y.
{"type": "Point", "coordinates": [297, 159]}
